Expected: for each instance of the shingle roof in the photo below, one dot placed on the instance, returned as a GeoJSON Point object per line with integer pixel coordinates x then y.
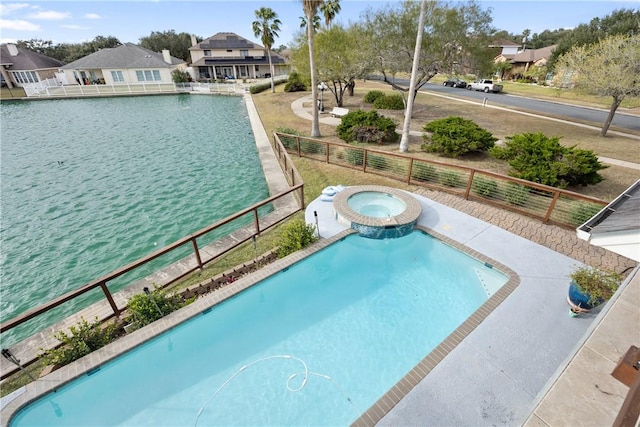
{"type": "Point", "coordinates": [26, 60]}
{"type": "Point", "coordinates": [533, 55]}
{"type": "Point", "coordinates": [620, 215]}
{"type": "Point", "coordinates": [127, 55]}
{"type": "Point", "coordinates": [226, 41]}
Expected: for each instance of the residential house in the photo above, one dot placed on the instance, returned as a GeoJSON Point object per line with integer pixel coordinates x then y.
{"type": "Point", "coordinates": [508, 48]}
{"type": "Point", "coordinates": [521, 60]}
{"type": "Point", "coordinates": [227, 55]}
{"type": "Point", "coordinates": [125, 64]}
{"type": "Point", "coordinates": [20, 67]}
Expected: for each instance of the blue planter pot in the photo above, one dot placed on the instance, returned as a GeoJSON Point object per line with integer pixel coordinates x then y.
{"type": "Point", "coordinates": [580, 299]}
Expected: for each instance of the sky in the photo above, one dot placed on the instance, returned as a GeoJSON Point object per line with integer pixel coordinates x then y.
{"type": "Point", "coordinates": [128, 21]}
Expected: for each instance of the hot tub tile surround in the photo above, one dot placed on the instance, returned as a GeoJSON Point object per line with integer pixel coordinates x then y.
{"type": "Point", "coordinates": [379, 228]}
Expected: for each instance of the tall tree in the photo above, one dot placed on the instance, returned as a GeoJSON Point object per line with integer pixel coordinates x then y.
{"type": "Point", "coordinates": [455, 39]}
{"type": "Point", "coordinates": [329, 9]}
{"type": "Point", "coordinates": [177, 44]}
{"type": "Point", "coordinates": [342, 57]}
{"type": "Point", "coordinates": [266, 26]}
{"type": "Point", "coordinates": [608, 68]}
{"type": "Point", "coordinates": [44, 47]}
{"type": "Point", "coordinates": [620, 22]}
{"type": "Point", "coordinates": [310, 8]}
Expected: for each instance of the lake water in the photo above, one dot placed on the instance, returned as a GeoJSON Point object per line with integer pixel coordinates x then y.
{"type": "Point", "coordinates": [89, 185]}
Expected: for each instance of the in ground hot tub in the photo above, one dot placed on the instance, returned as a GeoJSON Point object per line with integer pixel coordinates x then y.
{"type": "Point", "coordinates": [377, 212]}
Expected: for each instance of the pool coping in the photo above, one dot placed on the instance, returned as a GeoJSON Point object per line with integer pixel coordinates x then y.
{"type": "Point", "coordinates": [93, 361]}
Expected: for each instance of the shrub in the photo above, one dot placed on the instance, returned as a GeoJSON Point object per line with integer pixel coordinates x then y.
{"type": "Point", "coordinates": [455, 136]}
{"type": "Point", "coordinates": [311, 147]}
{"type": "Point", "coordinates": [354, 156]}
{"type": "Point", "coordinates": [295, 83]}
{"type": "Point", "coordinates": [389, 102]}
{"type": "Point", "coordinates": [287, 141]}
{"type": "Point", "coordinates": [179, 76]}
{"type": "Point", "coordinates": [352, 123]}
{"type": "Point", "coordinates": [372, 95]}
{"type": "Point", "coordinates": [538, 158]}
{"type": "Point", "coordinates": [424, 172]}
{"type": "Point", "coordinates": [516, 194]}
{"type": "Point", "coordinates": [146, 309]}
{"type": "Point", "coordinates": [295, 235]}
{"type": "Point", "coordinates": [484, 186]}
{"type": "Point", "coordinates": [450, 179]}
{"type": "Point", "coordinates": [377, 162]}
{"type": "Point", "coordinates": [582, 212]}
{"type": "Point", "coordinates": [368, 134]}
{"type": "Point", "coordinates": [260, 87]}
{"type": "Point", "coordinates": [84, 338]}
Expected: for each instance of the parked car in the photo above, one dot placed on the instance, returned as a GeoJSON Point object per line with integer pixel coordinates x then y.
{"type": "Point", "coordinates": [485, 85]}
{"type": "Point", "coordinates": [455, 82]}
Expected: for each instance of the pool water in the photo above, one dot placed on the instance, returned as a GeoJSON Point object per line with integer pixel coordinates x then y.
{"type": "Point", "coordinates": [376, 204]}
{"type": "Point", "coordinates": [316, 344]}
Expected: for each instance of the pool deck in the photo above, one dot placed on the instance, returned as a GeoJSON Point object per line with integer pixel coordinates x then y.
{"type": "Point", "coordinates": [524, 364]}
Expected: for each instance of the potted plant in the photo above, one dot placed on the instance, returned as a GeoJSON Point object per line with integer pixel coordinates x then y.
{"type": "Point", "coordinates": [591, 287]}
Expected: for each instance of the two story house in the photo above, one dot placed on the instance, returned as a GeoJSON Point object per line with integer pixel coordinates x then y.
{"type": "Point", "coordinates": [227, 55]}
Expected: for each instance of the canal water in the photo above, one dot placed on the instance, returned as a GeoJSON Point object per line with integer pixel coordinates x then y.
{"type": "Point", "coordinates": [89, 185]}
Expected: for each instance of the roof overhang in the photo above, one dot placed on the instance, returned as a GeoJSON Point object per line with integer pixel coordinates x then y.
{"type": "Point", "coordinates": [616, 227]}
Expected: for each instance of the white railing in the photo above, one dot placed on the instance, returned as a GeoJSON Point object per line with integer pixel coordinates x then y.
{"type": "Point", "coordinates": [130, 89]}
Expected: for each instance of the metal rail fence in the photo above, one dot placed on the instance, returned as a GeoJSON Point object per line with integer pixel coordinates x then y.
{"type": "Point", "coordinates": [549, 204]}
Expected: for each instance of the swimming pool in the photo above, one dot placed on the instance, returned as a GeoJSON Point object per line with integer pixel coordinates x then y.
{"type": "Point", "coordinates": [355, 316]}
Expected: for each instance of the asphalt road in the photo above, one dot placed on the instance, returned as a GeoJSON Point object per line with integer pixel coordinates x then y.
{"type": "Point", "coordinates": [594, 117]}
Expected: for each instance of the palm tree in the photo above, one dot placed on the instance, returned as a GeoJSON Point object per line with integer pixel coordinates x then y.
{"type": "Point", "coordinates": [310, 8]}
{"type": "Point", "coordinates": [266, 27]}
{"type": "Point", "coordinates": [329, 9]}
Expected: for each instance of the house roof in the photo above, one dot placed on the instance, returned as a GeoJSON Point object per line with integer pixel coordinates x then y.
{"type": "Point", "coordinates": [226, 41]}
{"type": "Point", "coordinates": [127, 55]}
{"type": "Point", "coordinates": [26, 60]}
{"type": "Point", "coordinates": [620, 215]}
{"type": "Point", "coordinates": [533, 55]}
{"type": "Point", "coordinates": [504, 43]}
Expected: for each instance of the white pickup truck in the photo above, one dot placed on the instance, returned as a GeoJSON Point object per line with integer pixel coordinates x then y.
{"type": "Point", "coordinates": [485, 85]}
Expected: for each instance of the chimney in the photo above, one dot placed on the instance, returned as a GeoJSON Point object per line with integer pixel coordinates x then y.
{"type": "Point", "coordinates": [166, 56]}
{"type": "Point", "coordinates": [193, 40]}
{"type": "Point", "coordinates": [13, 49]}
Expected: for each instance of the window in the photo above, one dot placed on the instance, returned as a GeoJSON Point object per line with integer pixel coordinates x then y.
{"type": "Point", "coordinates": [207, 53]}
{"type": "Point", "coordinates": [244, 53]}
{"type": "Point", "coordinates": [148, 75]}
{"type": "Point", "coordinates": [229, 50]}
{"type": "Point", "coordinates": [117, 77]}
{"type": "Point", "coordinates": [25, 77]}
